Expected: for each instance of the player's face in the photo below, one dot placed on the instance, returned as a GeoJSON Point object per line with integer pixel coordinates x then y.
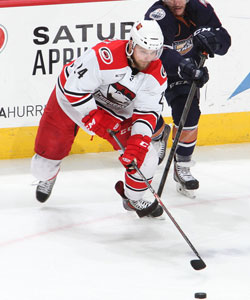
{"type": "Point", "coordinates": [177, 7]}
{"type": "Point", "coordinates": [143, 57]}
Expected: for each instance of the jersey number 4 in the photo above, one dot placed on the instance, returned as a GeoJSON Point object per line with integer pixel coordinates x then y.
{"type": "Point", "coordinates": [81, 72]}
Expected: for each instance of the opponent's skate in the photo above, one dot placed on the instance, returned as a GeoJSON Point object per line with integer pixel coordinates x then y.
{"type": "Point", "coordinates": [44, 189]}
{"type": "Point", "coordinates": [161, 143]}
{"type": "Point", "coordinates": [141, 207]}
{"type": "Point", "coordinates": [186, 183]}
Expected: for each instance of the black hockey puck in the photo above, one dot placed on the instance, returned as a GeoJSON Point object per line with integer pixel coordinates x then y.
{"type": "Point", "coordinates": [200, 295]}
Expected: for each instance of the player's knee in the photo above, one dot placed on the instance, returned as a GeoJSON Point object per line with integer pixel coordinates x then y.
{"type": "Point", "coordinates": [43, 168]}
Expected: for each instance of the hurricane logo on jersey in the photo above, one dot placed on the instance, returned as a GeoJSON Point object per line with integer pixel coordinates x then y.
{"type": "Point", "coordinates": [106, 55]}
{"type": "Point", "coordinates": [3, 37]}
{"type": "Point", "coordinates": [119, 95]}
{"type": "Point", "coordinates": [157, 14]}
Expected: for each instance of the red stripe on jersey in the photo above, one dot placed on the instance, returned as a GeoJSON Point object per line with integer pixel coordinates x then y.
{"type": "Point", "coordinates": [135, 184]}
{"type": "Point", "coordinates": [63, 75]}
{"type": "Point", "coordinates": [157, 70]}
{"type": "Point", "coordinates": [111, 54]}
{"type": "Point", "coordinates": [62, 78]}
{"type": "Point", "coordinates": [149, 118]}
{"type": "Point", "coordinates": [74, 99]}
{"type": "Point", "coordinates": [71, 97]}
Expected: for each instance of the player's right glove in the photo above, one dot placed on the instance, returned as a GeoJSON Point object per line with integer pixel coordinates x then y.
{"type": "Point", "coordinates": [189, 71]}
{"type": "Point", "coordinates": [205, 40]}
{"type": "Point", "coordinates": [99, 121]}
{"type": "Point", "coordinates": [135, 152]}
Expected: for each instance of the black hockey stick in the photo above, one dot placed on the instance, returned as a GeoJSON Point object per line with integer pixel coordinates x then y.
{"type": "Point", "coordinates": [182, 122]}
{"type": "Point", "coordinates": [197, 264]}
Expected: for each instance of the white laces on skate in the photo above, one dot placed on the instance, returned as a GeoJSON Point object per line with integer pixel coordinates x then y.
{"type": "Point", "coordinates": [184, 173]}
{"type": "Point", "coordinates": [45, 187]}
{"type": "Point", "coordinates": [183, 170]}
{"type": "Point", "coordinates": [140, 204]}
{"type": "Point", "coordinates": [186, 183]}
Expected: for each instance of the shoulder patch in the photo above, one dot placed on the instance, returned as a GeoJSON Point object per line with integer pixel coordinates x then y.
{"type": "Point", "coordinates": [111, 54]}
{"type": "Point", "coordinates": [106, 55]}
{"type": "Point", "coordinates": [157, 14]}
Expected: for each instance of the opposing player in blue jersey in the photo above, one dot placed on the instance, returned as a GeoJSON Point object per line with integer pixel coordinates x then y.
{"type": "Point", "coordinates": [189, 28]}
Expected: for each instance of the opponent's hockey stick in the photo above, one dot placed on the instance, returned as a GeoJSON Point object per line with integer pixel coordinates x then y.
{"type": "Point", "coordinates": [182, 122]}
{"type": "Point", "coordinates": [197, 264]}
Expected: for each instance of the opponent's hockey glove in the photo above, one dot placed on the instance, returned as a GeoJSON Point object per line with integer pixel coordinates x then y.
{"type": "Point", "coordinates": [99, 121]}
{"type": "Point", "coordinates": [204, 39]}
{"type": "Point", "coordinates": [189, 71]}
{"type": "Point", "coordinates": [135, 152]}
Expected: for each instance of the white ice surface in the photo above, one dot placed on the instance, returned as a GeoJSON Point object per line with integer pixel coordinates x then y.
{"type": "Point", "coordinates": [81, 244]}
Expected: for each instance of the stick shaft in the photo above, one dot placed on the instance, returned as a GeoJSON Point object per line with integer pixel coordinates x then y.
{"type": "Point", "coordinates": [182, 122]}
{"type": "Point", "coordinates": [157, 197]}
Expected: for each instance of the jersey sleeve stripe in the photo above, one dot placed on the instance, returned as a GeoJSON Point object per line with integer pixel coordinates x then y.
{"type": "Point", "coordinates": [75, 101]}
{"type": "Point", "coordinates": [66, 72]}
{"type": "Point", "coordinates": [148, 118]}
{"type": "Point", "coordinates": [145, 123]}
{"type": "Point", "coordinates": [136, 111]}
{"type": "Point", "coordinates": [74, 94]}
{"type": "Point", "coordinates": [83, 101]}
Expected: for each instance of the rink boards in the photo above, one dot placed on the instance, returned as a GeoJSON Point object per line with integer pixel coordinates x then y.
{"type": "Point", "coordinates": [214, 129]}
{"type": "Point", "coordinates": [33, 52]}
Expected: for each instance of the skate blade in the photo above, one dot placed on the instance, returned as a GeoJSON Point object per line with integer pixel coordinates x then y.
{"type": "Point", "coordinates": [187, 193]}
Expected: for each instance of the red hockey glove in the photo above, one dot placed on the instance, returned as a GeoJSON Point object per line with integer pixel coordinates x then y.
{"type": "Point", "coordinates": [136, 150]}
{"type": "Point", "coordinates": [98, 121]}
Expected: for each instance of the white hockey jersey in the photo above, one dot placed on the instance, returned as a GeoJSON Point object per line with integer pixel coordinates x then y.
{"type": "Point", "coordinates": [101, 77]}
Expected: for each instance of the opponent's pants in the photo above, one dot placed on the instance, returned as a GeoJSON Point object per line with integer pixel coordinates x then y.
{"type": "Point", "coordinates": [189, 134]}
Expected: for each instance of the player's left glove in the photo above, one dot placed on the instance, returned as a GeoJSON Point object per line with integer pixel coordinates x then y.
{"type": "Point", "coordinates": [204, 39]}
{"type": "Point", "coordinates": [189, 71]}
{"type": "Point", "coordinates": [135, 152]}
{"type": "Point", "coordinates": [99, 121]}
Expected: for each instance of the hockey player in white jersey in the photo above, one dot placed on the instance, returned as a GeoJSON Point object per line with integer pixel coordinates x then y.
{"type": "Point", "coordinates": [116, 85]}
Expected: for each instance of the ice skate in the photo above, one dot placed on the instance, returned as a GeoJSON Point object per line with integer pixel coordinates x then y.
{"type": "Point", "coordinates": [141, 207]}
{"type": "Point", "coordinates": [44, 189]}
{"type": "Point", "coordinates": [186, 183]}
{"type": "Point", "coordinates": [161, 143]}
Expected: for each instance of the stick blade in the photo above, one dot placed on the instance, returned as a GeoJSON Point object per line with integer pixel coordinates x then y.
{"type": "Point", "coordinates": [198, 264]}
